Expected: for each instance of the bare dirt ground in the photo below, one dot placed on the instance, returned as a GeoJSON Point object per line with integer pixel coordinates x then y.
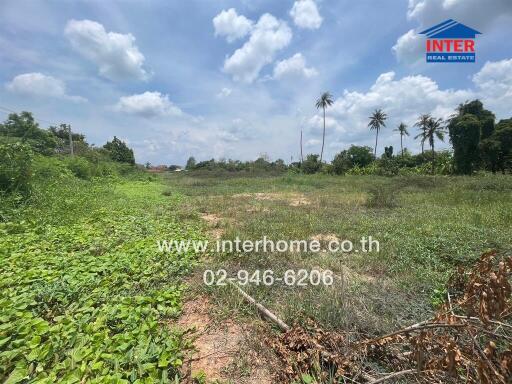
{"type": "Point", "coordinates": [293, 199]}
{"type": "Point", "coordinates": [224, 349]}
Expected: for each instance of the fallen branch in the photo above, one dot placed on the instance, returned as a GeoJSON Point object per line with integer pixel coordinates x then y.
{"type": "Point", "coordinates": [419, 326]}
{"type": "Point", "coordinates": [264, 311]}
{"type": "Point", "coordinates": [398, 374]}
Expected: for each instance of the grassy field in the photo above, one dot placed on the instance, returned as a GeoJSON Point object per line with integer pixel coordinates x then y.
{"type": "Point", "coordinates": [426, 227]}
{"type": "Point", "coordinates": [87, 297]}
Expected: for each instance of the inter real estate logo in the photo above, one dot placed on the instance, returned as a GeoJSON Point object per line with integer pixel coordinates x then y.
{"type": "Point", "coordinates": [450, 42]}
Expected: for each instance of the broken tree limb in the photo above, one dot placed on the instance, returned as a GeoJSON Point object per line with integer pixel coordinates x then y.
{"type": "Point", "coordinates": [264, 311]}
{"type": "Point", "coordinates": [396, 375]}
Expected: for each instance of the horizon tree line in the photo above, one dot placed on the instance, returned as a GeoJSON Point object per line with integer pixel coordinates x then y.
{"type": "Point", "coordinates": [430, 127]}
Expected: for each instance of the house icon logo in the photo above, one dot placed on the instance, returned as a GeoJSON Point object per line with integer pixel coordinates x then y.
{"type": "Point", "coordinates": [450, 42]}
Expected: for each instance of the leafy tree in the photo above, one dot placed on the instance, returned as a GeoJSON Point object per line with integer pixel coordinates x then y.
{"type": "Point", "coordinates": [402, 129]}
{"type": "Point", "coordinates": [360, 155]}
{"type": "Point", "coordinates": [191, 163]}
{"type": "Point", "coordinates": [388, 152]}
{"type": "Point", "coordinates": [434, 129]}
{"type": "Point", "coordinates": [323, 102]}
{"type": "Point", "coordinates": [377, 120]}
{"type": "Point", "coordinates": [485, 120]}
{"type": "Point", "coordinates": [119, 151]}
{"type": "Point", "coordinates": [62, 134]}
{"type": "Point", "coordinates": [422, 124]}
{"type": "Point", "coordinates": [341, 163]}
{"type": "Point", "coordinates": [24, 128]}
{"type": "Point", "coordinates": [349, 158]}
{"type": "Point", "coordinates": [311, 164]}
{"type": "Point", "coordinates": [485, 116]}
{"type": "Point", "coordinates": [497, 149]}
{"type": "Point", "coordinates": [464, 134]}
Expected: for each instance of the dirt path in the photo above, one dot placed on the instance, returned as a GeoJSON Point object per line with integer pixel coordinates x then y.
{"type": "Point", "coordinates": [222, 348]}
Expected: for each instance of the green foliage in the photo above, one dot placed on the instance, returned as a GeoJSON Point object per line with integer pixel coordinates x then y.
{"type": "Point", "coordinates": [311, 165]}
{"type": "Point", "coordinates": [84, 293]}
{"type": "Point", "coordinates": [191, 163]}
{"type": "Point", "coordinates": [354, 156]}
{"type": "Point", "coordinates": [24, 128]}
{"type": "Point", "coordinates": [61, 132]}
{"type": "Point", "coordinates": [15, 168]}
{"type": "Point", "coordinates": [497, 148]}
{"type": "Point", "coordinates": [80, 167]}
{"type": "Point", "coordinates": [388, 152]}
{"type": "Point", "coordinates": [465, 137]}
{"type": "Point", "coordinates": [119, 151]}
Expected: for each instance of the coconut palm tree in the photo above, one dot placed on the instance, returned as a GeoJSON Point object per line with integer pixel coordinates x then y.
{"type": "Point", "coordinates": [402, 129]}
{"type": "Point", "coordinates": [422, 124]}
{"type": "Point", "coordinates": [323, 102]}
{"type": "Point", "coordinates": [435, 129]}
{"type": "Point", "coordinates": [377, 120]}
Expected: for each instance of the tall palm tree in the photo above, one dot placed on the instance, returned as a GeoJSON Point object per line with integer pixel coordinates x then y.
{"type": "Point", "coordinates": [422, 124]}
{"type": "Point", "coordinates": [323, 102]}
{"type": "Point", "coordinates": [377, 120]}
{"type": "Point", "coordinates": [402, 129]}
{"type": "Point", "coordinates": [435, 129]}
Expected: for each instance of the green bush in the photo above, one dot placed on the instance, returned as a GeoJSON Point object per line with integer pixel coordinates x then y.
{"type": "Point", "coordinates": [80, 167]}
{"type": "Point", "coordinates": [311, 164]}
{"type": "Point", "coordinates": [15, 168]}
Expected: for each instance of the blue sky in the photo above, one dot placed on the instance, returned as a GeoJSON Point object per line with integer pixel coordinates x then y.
{"type": "Point", "coordinates": [235, 79]}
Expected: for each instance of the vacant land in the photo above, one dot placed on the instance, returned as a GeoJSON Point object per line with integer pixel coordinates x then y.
{"type": "Point", "coordinates": [426, 226]}
{"type": "Point", "coordinates": [87, 296]}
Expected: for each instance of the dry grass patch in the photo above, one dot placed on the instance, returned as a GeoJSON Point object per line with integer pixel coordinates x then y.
{"type": "Point", "coordinates": [214, 223]}
{"type": "Point", "coordinates": [293, 199]}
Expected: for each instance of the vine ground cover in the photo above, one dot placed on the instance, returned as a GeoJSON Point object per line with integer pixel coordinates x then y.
{"type": "Point", "coordinates": [85, 294]}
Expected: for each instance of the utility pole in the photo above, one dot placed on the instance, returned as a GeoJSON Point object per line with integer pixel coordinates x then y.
{"type": "Point", "coordinates": [70, 141]}
{"type": "Point", "coordinates": [301, 157]}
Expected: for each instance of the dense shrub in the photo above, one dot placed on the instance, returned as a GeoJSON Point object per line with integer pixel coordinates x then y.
{"type": "Point", "coordinates": [311, 164]}
{"type": "Point", "coordinates": [15, 168]}
{"type": "Point", "coordinates": [80, 167]}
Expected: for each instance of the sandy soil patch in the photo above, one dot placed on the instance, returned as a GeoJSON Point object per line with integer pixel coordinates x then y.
{"type": "Point", "coordinates": [257, 210]}
{"type": "Point", "coordinates": [213, 222]}
{"type": "Point", "coordinates": [217, 345]}
{"type": "Point", "coordinates": [294, 199]}
{"type": "Point", "coordinates": [325, 237]}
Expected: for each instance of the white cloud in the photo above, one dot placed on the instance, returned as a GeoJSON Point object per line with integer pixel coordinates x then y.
{"type": "Point", "coordinates": [148, 104]}
{"type": "Point", "coordinates": [293, 67]}
{"type": "Point", "coordinates": [231, 25]}
{"type": "Point", "coordinates": [305, 14]}
{"type": "Point", "coordinates": [475, 13]}
{"type": "Point", "coordinates": [409, 47]}
{"type": "Point", "coordinates": [38, 84]}
{"type": "Point", "coordinates": [224, 92]}
{"type": "Point", "coordinates": [494, 81]}
{"type": "Point", "coordinates": [115, 54]}
{"type": "Point", "coordinates": [316, 125]}
{"type": "Point", "coordinates": [405, 98]}
{"type": "Point", "coordinates": [267, 37]}
{"type": "Point", "coordinates": [402, 99]}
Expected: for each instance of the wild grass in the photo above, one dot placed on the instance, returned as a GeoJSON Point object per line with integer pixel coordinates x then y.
{"type": "Point", "coordinates": [426, 226]}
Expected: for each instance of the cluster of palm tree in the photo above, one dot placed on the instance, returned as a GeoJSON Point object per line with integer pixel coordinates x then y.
{"type": "Point", "coordinates": [429, 126]}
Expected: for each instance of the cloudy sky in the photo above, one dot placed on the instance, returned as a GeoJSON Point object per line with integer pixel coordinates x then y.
{"type": "Point", "coordinates": [235, 79]}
